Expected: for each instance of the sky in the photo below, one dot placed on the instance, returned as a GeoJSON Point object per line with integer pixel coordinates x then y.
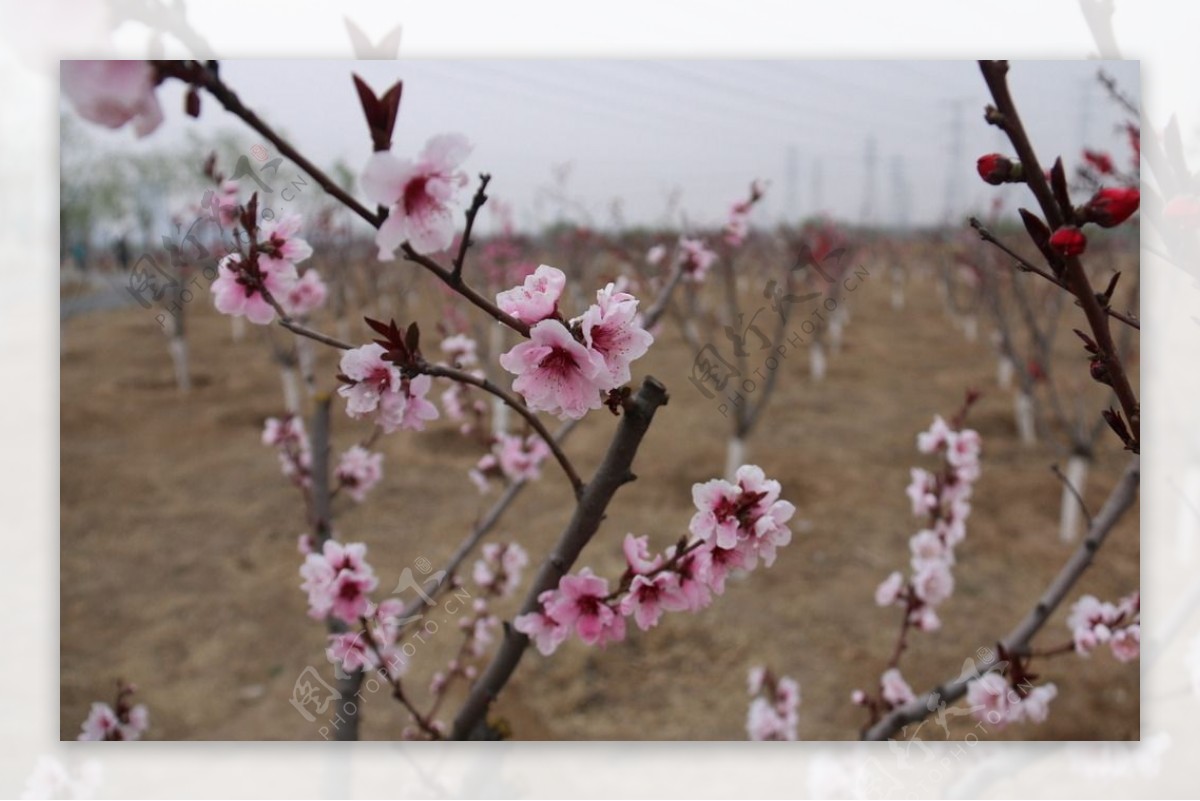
{"type": "Point", "coordinates": [877, 141]}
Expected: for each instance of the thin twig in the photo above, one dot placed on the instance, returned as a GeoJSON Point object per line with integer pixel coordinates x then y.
{"type": "Point", "coordinates": [1074, 491]}
{"type": "Point", "coordinates": [1025, 266]}
{"type": "Point", "coordinates": [476, 204]}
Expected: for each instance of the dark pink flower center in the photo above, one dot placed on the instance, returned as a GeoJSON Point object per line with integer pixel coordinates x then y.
{"type": "Point", "coordinates": [415, 197]}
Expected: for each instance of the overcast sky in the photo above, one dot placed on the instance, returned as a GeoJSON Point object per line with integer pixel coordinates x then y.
{"type": "Point", "coordinates": [639, 130]}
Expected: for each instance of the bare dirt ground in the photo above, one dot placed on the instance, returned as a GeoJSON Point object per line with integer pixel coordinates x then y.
{"type": "Point", "coordinates": [179, 564]}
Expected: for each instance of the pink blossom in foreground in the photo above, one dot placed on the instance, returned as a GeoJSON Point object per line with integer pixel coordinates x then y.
{"type": "Point", "coordinates": [684, 577]}
{"type": "Point", "coordinates": [638, 556]}
{"type": "Point", "coordinates": [418, 194]}
{"type": "Point", "coordinates": [611, 328]}
{"type": "Point", "coordinates": [279, 241]}
{"type": "Point", "coordinates": [537, 298]}
{"type": "Point", "coordinates": [236, 289]}
{"type": "Point", "coordinates": [697, 259]}
{"type": "Point", "coordinates": [306, 295]}
{"type": "Point", "coordinates": [374, 386]}
{"type": "Point", "coordinates": [555, 373]}
{"type": "Point", "coordinates": [774, 710]}
{"type": "Point", "coordinates": [359, 470]}
{"type": "Point", "coordinates": [579, 603]}
{"type": "Point", "coordinates": [113, 93]}
{"type": "Point", "coordinates": [372, 377]}
{"type": "Point", "coordinates": [546, 632]}
{"type": "Point", "coordinates": [650, 596]}
{"type": "Point", "coordinates": [337, 581]}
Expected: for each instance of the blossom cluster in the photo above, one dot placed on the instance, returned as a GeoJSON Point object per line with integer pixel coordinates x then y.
{"type": "Point", "coordinates": [735, 526]}
{"type": "Point", "coordinates": [375, 388]}
{"type": "Point", "coordinates": [512, 458]}
{"type": "Point", "coordinates": [567, 366]}
{"type": "Point", "coordinates": [238, 289]}
{"type": "Point", "coordinates": [338, 581]}
{"type": "Point", "coordinates": [994, 700]}
{"type": "Point", "coordinates": [1094, 623]}
{"type": "Point", "coordinates": [774, 708]}
{"type": "Point", "coordinates": [944, 500]}
{"type": "Point", "coordinates": [126, 722]}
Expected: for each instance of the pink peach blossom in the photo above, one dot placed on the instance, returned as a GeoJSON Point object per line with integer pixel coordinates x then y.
{"type": "Point", "coordinates": [555, 373]}
{"type": "Point", "coordinates": [236, 293]}
{"type": "Point", "coordinates": [537, 298]}
{"type": "Point", "coordinates": [650, 596]}
{"type": "Point", "coordinates": [611, 328]}
{"type": "Point", "coordinates": [113, 93]}
{"type": "Point", "coordinates": [418, 195]}
{"type": "Point", "coordinates": [306, 295]}
{"type": "Point", "coordinates": [546, 632]}
{"type": "Point", "coordinates": [580, 603]}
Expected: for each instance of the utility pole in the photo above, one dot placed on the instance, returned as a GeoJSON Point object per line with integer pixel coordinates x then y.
{"type": "Point", "coordinates": [871, 159]}
{"type": "Point", "coordinates": [901, 199]}
{"type": "Point", "coordinates": [955, 169]}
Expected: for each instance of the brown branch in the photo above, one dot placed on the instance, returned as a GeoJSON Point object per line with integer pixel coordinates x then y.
{"type": "Point", "coordinates": [464, 549]}
{"type": "Point", "coordinates": [1006, 117]}
{"type": "Point", "coordinates": [1119, 501]}
{"type": "Point", "coordinates": [467, 292]}
{"type": "Point", "coordinates": [476, 204]}
{"type": "Point", "coordinates": [1025, 266]}
{"type": "Point", "coordinates": [1074, 491]}
{"type": "Point", "coordinates": [207, 77]}
{"type": "Point", "coordinates": [613, 472]}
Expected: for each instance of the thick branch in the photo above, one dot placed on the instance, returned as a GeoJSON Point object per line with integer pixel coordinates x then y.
{"type": "Point", "coordinates": [1119, 501]}
{"type": "Point", "coordinates": [614, 471]}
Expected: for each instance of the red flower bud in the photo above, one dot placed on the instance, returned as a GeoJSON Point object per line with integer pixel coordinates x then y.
{"type": "Point", "coordinates": [1111, 207]}
{"type": "Point", "coordinates": [1068, 241]}
{"type": "Point", "coordinates": [997, 169]}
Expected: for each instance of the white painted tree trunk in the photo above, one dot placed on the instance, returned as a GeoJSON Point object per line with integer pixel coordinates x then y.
{"type": "Point", "coordinates": [735, 456]}
{"type": "Point", "coordinates": [1004, 372]}
{"type": "Point", "coordinates": [179, 358]}
{"type": "Point", "coordinates": [238, 326]}
{"type": "Point", "coordinates": [1072, 515]}
{"type": "Point", "coordinates": [971, 327]}
{"type": "Point", "coordinates": [343, 329]}
{"type": "Point", "coordinates": [291, 389]}
{"type": "Point", "coordinates": [816, 361]}
{"type": "Point", "coordinates": [897, 297]}
{"type": "Point", "coordinates": [1023, 411]}
{"type": "Point", "coordinates": [837, 327]}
